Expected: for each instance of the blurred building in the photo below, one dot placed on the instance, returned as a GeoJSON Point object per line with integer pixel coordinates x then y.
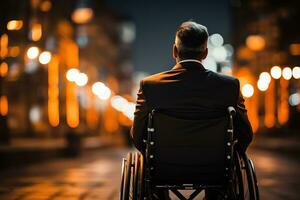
{"type": "Point", "coordinates": [52, 54]}
{"type": "Point", "coordinates": [266, 34]}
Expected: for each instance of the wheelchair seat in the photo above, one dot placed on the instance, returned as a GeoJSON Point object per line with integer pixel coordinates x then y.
{"type": "Point", "coordinates": [186, 154]}
{"type": "Point", "coordinates": [188, 151]}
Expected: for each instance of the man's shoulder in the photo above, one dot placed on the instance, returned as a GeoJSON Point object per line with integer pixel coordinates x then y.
{"type": "Point", "coordinates": [155, 78]}
{"type": "Point", "coordinates": [223, 77]}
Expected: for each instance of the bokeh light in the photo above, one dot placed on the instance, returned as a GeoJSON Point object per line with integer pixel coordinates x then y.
{"type": "Point", "coordinates": [296, 72]}
{"type": "Point", "coordinates": [45, 57]}
{"type": "Point", "coordinates": [287, 73]}
{"type": "Point", "coordinates": [82, 15]}
{"type": "Point", "coordinates": [276, 72]}
{"type": "Point", "coordinates": [220, 54]}
{"type": "Point", "coordinates": [72, 74]}
{"type": "Point", "coordinates": [216, 40]}
{"type": "Point", "coordinates": [255, 42]}
{"type": "Point", "coordinates": [265, 76]}
{"type": "Point", "coordinates": [247, 90]}
{"type": "Point", "coordinates": [262, 85]}
{"type": "Point", "coordinates": [33, 52]}
{"type": "Point", "coordinates": [294, 99]}
{"type": "Point", "coordinates": [14, 25]}
{"type": "Point", "coordinates": [81, 79]}
{"type": "Point", "coordinates": [101, 90]}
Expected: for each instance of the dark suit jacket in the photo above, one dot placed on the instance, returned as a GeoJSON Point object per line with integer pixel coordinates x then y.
{"type": "Point", "coordinates": [190, 91]}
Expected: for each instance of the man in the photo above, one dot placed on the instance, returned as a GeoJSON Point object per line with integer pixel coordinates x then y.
{"type": "Point", "coordinates": [190, 91]}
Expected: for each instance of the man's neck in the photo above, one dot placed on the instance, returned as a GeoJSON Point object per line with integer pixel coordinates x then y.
{"type": "Point", "coordinates": [189, 60]}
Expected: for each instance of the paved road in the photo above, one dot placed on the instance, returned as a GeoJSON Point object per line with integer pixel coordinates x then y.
{"type": "Point", "coordinates": [96, 176]}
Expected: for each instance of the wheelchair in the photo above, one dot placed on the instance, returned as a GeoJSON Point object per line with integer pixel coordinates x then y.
{"type": "Point", "coordinates": [175, 160]}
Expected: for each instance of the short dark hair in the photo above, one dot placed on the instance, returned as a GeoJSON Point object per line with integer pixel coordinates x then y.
{"type": "Point", "coordinates": [191, 39]}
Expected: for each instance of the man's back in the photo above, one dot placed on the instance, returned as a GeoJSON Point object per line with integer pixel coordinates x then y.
{"type": "Point", "coordinates": [189, 91]}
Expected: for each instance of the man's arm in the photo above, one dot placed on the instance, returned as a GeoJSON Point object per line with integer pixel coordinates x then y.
{"type": "Point", "coordinates": [139, 126]}
{"type": "Point", "coordinates": [243, 129]}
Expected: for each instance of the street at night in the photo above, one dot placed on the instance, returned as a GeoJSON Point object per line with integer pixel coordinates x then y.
{"type": "Point", "coordinates": [96, 175]}
{"type": "Point", "coordinates": [85, 82]}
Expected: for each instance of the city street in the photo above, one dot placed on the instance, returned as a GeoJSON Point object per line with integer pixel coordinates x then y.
{"type": "Point", "coordinates": [96, 175]}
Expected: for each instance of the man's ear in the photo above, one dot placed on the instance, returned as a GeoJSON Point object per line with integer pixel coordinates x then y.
{"type": "Point", "coordinates": [175, 52]}
{"type": "Point", "coordinates": [205, 53]}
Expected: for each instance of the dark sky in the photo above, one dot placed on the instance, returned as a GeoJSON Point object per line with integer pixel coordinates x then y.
{"type": "Point", "coordinates": [156, 23]}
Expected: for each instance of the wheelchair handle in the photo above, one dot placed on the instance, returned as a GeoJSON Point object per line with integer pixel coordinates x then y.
{"type": "Point", "coordinates": [231, 110]}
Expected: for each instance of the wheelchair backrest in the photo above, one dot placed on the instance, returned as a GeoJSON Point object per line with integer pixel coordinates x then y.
{"type": "Point", "coordinates": [188, 151]}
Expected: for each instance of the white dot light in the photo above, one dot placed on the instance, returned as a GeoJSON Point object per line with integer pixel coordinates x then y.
{"type": "Point", "coordinates": [81, 79]}
{"type": "Point", "coordinates": [72, 74]}
{"type": "Point", "coordinates": [296, 72]}
{"type": "Point", "coordinates": [265, 76]}
{"type": "Point", "coordinates": [287, 73]}
{"type": "Point", "coordinates": [216, 40]}
{"type": "Point", "coordinates": [294, 99]}
{"type": "Point", "coordinates": [276, 72]}
{"type": "Point", "coordinates": [247, 90]}
{"type": "Point", "coordinates": [45, 57]}
{"type": "Point", "coordinates": [33, 52]}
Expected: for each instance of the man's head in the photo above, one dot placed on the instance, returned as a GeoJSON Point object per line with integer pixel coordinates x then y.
{"type": "Point", "coordinates": [190, 42]}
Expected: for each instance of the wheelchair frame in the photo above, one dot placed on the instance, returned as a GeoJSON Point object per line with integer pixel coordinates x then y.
{"type": "Point", "coordinates": [137, 184]}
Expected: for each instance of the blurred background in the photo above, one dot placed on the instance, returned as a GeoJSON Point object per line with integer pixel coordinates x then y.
{"type": "Point", "coordinates": [70, 70]}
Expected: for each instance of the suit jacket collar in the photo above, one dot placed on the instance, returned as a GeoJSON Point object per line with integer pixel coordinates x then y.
{"type": "Point", "coordinates": [189, 66]}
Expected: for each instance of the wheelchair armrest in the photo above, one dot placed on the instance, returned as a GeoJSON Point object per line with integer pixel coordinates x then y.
{"type": "Point", "coordinates": [231, 110]}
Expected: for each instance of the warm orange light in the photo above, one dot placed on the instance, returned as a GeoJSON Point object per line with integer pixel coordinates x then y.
{"type": "Point", "coordinates": [270, 106]}
{"type": "Point", "coordinates": [72, 106]}
{"type": "Point", "coordinates": [283, 107]}
{"type": "Point", "coordinates": [3, 105]}
{"type": "Point", "coordinates": [71, 56]}
{"type": "Point", "coordinates": [45, 6]}
{"type": "Point", "coordinates": [14, 25]}
{"type": "Point", "coordinates": [3, 69]}
{"type": "Point", "coordinates": [36, 32]}
{"type": "Point", "coordinates": [276, 72]}
{"type": "Point", "coordinates": [3, 45]}
{"type": "Point", "coordinates": [295, 49]}
{"type": "Point", "coordinates": [82, 15]}
{"type": "Point", "coordinates": [14, 51]}
{"type": "Point", "coordinates": [255, 42]}
{"type": "Point", "coordinates": [92, 114]}
{"type": "Point", "coordinates": [53, 92]}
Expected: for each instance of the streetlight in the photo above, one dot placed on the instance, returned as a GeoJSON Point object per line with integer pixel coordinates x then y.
{"type": "Point", "coordinates": [287, 73]}
{"type": "Point", "coordinates": [247, 90]}
{"type": "Point", "coordinates": [33, 52]}
{"type": "Point", "coordinates": [45, 57]}
{"type": "Point", "coordinates": [276, 72]}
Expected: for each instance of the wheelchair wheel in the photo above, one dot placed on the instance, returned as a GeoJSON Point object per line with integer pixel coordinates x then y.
{"type": "Point", "coordinates": [251, 177]}
{"type": "Point", "coordinates": [237, 190]}
{"type": "Point", "coordinates": [126, 178]}
{"type": "Point", "coordinates": [132, 177]}
{"type": "Point", "coordinates": [138, 190]}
